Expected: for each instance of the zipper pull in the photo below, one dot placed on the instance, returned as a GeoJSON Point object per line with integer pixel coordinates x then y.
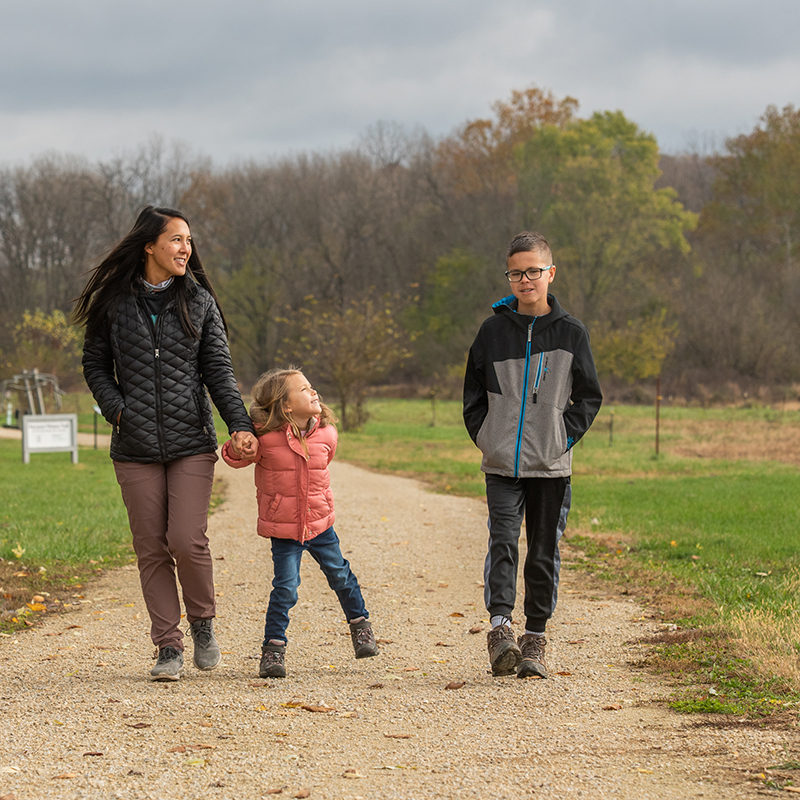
{"type": "Point", "coordinates": [530, 331]}
{"type": "Point", "coordinates": [156, 352]}
{"type": "Point", "coordinates": [535, 396]}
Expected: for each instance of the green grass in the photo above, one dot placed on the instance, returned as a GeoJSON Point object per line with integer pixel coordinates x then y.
{"type": "Point", "coordinates": [56, 511]}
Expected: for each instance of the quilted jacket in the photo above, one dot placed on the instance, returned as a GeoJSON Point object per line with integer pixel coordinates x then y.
{"type": "Point", "coordinates": [293, 489]}
{"type": "Point", "coordinates": [155, 376]}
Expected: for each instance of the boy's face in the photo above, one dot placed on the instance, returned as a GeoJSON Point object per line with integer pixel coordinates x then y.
{"type": "Point", "coordinates": [531, 294]}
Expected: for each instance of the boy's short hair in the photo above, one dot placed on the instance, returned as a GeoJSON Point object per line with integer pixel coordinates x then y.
{"type": "Point", "coordinates": [529, 242]}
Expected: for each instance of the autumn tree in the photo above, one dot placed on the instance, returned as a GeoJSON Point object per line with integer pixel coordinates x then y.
{"type": "Point", "coordinates": [590, 186]}
{"type": "Point", "coordinates": [347, 348]}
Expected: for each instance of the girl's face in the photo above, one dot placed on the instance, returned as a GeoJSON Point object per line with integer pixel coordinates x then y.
{"type": "Point", "coordinates": [168, 255]}
{"type": "Point", "coordinates": [302, 402]}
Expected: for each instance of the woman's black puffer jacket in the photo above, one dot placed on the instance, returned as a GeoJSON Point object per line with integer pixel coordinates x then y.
{"type": "Point", "coordinates": [155, 376]}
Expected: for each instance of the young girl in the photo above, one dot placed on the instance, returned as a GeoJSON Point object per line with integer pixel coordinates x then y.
{"type": "Point", "coordinates": [296, 442]}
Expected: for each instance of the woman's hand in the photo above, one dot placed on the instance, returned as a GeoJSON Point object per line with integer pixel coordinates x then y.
{"type": "Point", "coordinates": [244, 444]}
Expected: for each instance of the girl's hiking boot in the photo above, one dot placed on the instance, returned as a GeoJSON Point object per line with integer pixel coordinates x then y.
{"type": "Point", "coordinates": [272, 661]}
{"type": "Point", "coordinates": [169, 666]}
{"type": "Point", "coordinates": [206, 650]}
{"type": "Point", "coordinates": [533, 663]}
{"type": "Point", "coordinates": [504, 655]}
{"type": "Point", "coordinates": [363, 639]}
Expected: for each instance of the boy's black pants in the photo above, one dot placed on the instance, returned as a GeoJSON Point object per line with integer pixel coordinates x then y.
{"type": "Point", "coordinates": [544, 502]}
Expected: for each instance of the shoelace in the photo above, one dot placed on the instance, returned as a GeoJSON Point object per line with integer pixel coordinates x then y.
{"type": "Point", "coordinates": [201, 635]}
{"type": "Point", "coordinates": [363, 635]}
{"type": "Point", "coordinates": [167, 654]}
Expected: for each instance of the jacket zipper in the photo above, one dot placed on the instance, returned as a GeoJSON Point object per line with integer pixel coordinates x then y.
{"type": "Point", "coordinates": [520, 425]}
{"type": "Point", "coordinates": [538, 378]}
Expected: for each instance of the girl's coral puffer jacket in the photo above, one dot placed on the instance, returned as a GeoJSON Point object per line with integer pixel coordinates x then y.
{"type": "Point", "coordinates": [293, 488]}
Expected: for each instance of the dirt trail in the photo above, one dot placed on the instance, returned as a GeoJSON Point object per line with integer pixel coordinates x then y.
{"type": "Point", "coordinates": [81, 720]}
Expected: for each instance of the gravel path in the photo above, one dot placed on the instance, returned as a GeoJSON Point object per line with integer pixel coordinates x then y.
{"type": "Point", "coordinates": [81, 720]}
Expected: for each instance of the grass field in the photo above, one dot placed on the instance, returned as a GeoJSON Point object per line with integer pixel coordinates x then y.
{"type": "Point", "coordinates": [708, 531]}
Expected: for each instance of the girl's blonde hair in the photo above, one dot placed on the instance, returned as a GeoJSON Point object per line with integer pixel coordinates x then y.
{"type": "Point", "coordinates": [268, 409]}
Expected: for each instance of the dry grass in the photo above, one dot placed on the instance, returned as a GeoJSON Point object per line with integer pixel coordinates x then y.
{"type": "Point", "coordinates": [770, 638]}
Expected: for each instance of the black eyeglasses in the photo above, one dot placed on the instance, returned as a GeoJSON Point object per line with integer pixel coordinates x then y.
{"type": "Point", "coordinates": [532, 274]}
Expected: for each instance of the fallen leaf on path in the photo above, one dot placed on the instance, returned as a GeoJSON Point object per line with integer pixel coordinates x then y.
{"type": "Point", "coordinates": [443, 644]}
{"type": "Point", "coordinates": [795, 789]}
{"type": "Point", "coordinates": [382, 641]}
{"type": "Point", "coordinates": [201, 746]}
{"type": "Point", "coordinates": [411, 669]}
{"type": "Point", "coordinates": [456, 614]}
{"type": "Point", "coordinates": [206, 724]}
{"type": "Point", "coordinates": [645, 771]}
{"type": "Point", "coordinates": [179, 749]}
{"type": "Point", "coordinates": [36, 606]}
{"type": "Point", "coordinates": [10, 770]}
{"type": "Point", "coordinates": [90, 753]}
{"type": "Point", "coordinates": [455, 684]}
{"type": "Point", "coordinates": [275, 791]}
{"type": "Point", "coordinates": [260, 685]}
{"type": "Point", "coordinates": [195, 761]}
{"type": "Point", "coordinates": [292, 704]}
{"type": "Point", "coordinates": [37, 598]}
{"type": "Point", "coordinates": [397, 735]}
{"type": "Point", "coordinates": [139, 725]}
{"type": "Point", "coordinates": [476, 629]}
{"type": "Point", "coordinates": [564, 672]}
{"type": "Point", "coordinates": [612, 707]}
{"type": "Point", "coordinates": [63, 777]}
{"type": "Point", "coordinates": [318, 709]}
{"type": "Point", "coordinates": [303, 793]}
{"type": "Point", "coordinates": [72, 627]}
{"type": "Point", "coordinates": [577, 641]}
{"type": "Point", "coordinates": [10, 796]}
{"type": "Point", "coordinates": [22, 574]}
{"type": "Point", "coordinates": [348, 714]}
{"type": "Point", "coordinates": [352, 773]}
{"type": "Point", "coordinates": [376, 686]}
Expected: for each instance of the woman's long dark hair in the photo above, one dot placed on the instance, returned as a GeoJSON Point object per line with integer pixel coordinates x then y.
{"type": "Point", "coordinates": [122, 270]}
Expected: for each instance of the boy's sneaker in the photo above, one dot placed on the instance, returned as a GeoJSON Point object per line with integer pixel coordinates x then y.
{"type": "Point", "coordinates": [504, 654]}
{"type": "Point", "coordinates": [206, 649]}
{"type": "Point", "coordinates": [272, 661]}
{"type": "Point", "coordinates": [363, 639]}
{"type": "Point", "coordinates": [533, 663]}
{"type": "Point", "coordinates": [169, 666]}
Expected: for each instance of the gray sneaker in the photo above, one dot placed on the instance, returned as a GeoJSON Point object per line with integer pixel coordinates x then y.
{"type": "Point", "coordinates": [504, 655]}
{"type": "Point", "coordinates": [169, 666]}
{"type": "Point", "coordinates": [533, 663]}
{"type": "Point", "coordinates": [206, 649]}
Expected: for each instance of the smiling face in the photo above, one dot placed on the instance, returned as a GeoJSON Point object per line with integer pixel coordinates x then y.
{"type": "Point", "coordinates": [168, 255]}
{"type": "Point", "coordinates": [531, 295]}
{"type": "Point", "coordinates": [302, 402]}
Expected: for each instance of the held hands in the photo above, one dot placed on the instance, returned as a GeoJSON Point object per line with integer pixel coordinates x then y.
{"type": "Point", "coordinates": [244, 444]}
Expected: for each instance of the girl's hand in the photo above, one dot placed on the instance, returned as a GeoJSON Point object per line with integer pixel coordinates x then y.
{"type": "Point", "coordinates": [244, 444]}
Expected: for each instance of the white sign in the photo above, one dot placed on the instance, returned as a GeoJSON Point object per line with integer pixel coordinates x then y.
{"type": "Point", "coordinates": [49, 433]}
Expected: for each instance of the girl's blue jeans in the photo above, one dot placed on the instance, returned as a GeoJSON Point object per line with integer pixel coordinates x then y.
{"type": "Point", "coordinates": [286, 556]}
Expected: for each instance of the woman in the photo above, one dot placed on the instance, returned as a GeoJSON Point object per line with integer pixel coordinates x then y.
{"type": "Point", "coordinates": [155, 337]}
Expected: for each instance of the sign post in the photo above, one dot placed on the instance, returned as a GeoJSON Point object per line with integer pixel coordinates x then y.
{"type": "Point", "coordinates": [49, 433]}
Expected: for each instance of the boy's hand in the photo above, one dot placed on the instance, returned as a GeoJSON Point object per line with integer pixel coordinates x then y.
{"type": "Point", "coordinates": [244, 444]}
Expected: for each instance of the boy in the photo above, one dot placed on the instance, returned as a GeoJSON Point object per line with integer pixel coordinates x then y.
{"type": "Point", "coordinates": [530, 392]}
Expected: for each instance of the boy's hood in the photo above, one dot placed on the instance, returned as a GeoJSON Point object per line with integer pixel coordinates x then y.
{"type": "Point", "coordinates": [508, 307]}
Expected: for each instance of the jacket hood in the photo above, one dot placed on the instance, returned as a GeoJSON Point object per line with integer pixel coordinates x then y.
{"type": "Point", "coordinates": [508, 307]}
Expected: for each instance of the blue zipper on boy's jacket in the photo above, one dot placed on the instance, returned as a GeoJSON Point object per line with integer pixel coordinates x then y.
{"type": "Point", "coordinates": [518, 449]}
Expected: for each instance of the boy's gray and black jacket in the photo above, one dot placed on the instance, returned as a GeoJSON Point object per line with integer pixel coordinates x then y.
{"type": "Point", "coordinates": [530, 391]}
{"type": "Point", "coordinates": [155, 375]}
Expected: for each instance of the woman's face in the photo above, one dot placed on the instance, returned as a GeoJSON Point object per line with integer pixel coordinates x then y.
{"type": "Point", "coordinates": [168, 255]}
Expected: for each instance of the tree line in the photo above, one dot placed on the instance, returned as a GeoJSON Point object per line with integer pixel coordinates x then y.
{"type": "Point", "coordinates": [378, 262]}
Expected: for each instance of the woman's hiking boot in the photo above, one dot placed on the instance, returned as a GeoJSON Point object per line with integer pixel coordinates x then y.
{"type": "Point", "coordinates": [272, 661]}
{"type": "Point", "coordinates": [363, 638]}
{"type": "Point", "coordinates": [504, 655]}
{"type": "Point", "coordinates": [206, 650]}
{"type": "Point", "coordinates": [169, 666]}
{"type": "Point", "coordinates": [533, 663]}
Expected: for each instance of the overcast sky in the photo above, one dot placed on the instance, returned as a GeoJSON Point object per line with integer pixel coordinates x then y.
{"type": "Point", "coordinates": [259, 79]}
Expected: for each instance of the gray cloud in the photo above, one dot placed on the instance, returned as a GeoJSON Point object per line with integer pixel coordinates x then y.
{"type": "Point", "coordinates": [254, 78]}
